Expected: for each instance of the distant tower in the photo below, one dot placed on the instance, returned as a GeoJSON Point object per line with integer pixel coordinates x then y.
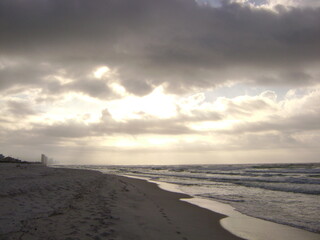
{"type": "Point", "coordinates": [44, 159]}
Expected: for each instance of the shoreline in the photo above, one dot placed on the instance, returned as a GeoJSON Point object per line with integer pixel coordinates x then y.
{"type": "Point", "coordinates": [187, 220]}
{"type": "Point", "coordinates": [37, 202]}
{"type": "Point", "coordinates": [237, 223]}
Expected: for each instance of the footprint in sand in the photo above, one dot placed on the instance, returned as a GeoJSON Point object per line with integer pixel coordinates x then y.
{"type": "Point", "coordinates": [165, 215]}
{"type": "Point", "coordinates": [183, 238]}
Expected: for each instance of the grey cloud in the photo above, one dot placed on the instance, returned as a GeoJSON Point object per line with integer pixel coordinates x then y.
{"type": "Point", "coordinates": [146, 125]}
{"type": "Point", "coordinates": [107, 126]}
{"type": "Point", "coordinates": [69, 129]}
{"type": "Point", "coordinates": [23, 73]}
{"type": "Point", "coordinates": [294, 124]}
{"type": "Point", "coordinates": [266, 141]}
{"type": "Point", "coordinates": [23, 138]}
{"type": "Point", "coordinates": [279, 129]}
{"type": "Point", "coordinates": [93, 87]}
{"type": "Point", "coordinates": [4, 120]}
{"type": "Point", "coordinates": [199, 116]}
{"type": "Point", "coordinates": [43, 75]}
{"type": "Point", "coordinates": [135, 127]}
{"type": "Point", "coordinates": [137, 87]}
{"type": "Point", "coordinates": [151, 42]}
{"type": "Point", "coordinates": [150, 124]}
{"type": "Point", "coordinates": [20, 109]}
{"type": "Point", "coordinates": [246, 107]}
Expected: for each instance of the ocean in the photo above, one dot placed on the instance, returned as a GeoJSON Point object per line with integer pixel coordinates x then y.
{"type": "Point", "coordinates": [288, 194]}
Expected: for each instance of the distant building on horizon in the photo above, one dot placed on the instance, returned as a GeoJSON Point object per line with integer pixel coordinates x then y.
{"type": "Point", "coordinates": [44, 159]}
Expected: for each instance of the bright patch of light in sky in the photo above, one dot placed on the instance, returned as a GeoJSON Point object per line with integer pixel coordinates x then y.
{"type": "Point", "coordinates": [157, 104]}
{"type": "Point", "coordinates": [101, 71]}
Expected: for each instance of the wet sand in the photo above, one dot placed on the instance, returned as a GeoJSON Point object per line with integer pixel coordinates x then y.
{"type": "Point", "coordinates": [37, 202]}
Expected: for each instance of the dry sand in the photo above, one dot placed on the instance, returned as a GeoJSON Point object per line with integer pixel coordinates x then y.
{"type": "Point", "coordinates": [37, 202]}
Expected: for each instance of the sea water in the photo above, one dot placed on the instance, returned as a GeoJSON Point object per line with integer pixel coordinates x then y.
{"type": "Point", "coordinates": [282, 193]}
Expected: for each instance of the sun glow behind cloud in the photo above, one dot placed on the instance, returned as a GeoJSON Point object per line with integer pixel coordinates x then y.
{"type": "Point", "coordinates": [156, 104]}
{"type": "Point", "coordinates": [101, 71]}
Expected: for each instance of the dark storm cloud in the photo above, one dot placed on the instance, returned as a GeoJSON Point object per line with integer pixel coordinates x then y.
{"type": "Point", "coordinates": [150, 42]}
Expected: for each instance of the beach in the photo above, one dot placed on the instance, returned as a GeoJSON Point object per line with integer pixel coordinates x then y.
{"type": "Point", "coordinates": [37, 202]}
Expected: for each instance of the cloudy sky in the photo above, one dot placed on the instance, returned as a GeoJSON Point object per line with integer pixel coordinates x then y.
{"type": "Point", "coordinates": [160, 82]}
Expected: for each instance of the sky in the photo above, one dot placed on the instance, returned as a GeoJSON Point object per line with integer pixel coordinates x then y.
{"type": "Point", "coordinates": [160, 82]}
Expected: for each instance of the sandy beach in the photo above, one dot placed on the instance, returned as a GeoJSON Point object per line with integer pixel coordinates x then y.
{"type": "Point", "coordinates": [37, 202]}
